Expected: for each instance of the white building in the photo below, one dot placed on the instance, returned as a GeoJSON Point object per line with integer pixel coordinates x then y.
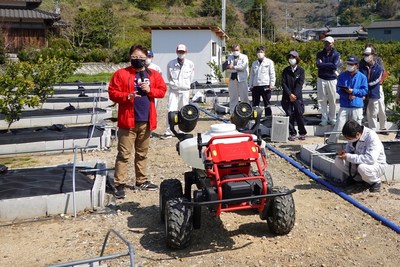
{"type": "Point", "coordinates": [204, 44]}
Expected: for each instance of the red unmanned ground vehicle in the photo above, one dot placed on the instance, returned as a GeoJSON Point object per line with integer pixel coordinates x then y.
{"type": "Point", "coordinates": [229, 171]}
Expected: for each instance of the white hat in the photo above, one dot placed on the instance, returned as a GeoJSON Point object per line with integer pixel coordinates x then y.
{"type": "Point", "coordinates": [328, 39]}
{"type": "Point", "coordinates": [369, 51]}
{"type": "Point", "coordinates": [181, 47]}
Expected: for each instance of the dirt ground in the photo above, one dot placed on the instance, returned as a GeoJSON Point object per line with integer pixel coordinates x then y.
{"type": "Point", "coordinates": [329, 231]}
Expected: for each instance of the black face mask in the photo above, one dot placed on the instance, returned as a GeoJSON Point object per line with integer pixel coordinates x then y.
{"type": "Point", "coordinates": [138, 63]}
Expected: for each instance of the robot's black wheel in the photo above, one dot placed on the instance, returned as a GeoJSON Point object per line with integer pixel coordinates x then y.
{"type": "Point", "coordinates": [178, 223]}
{"type": "Point", "coordinates": [281, 212]}
{"type": "Point", "coordinates": [171, 188]}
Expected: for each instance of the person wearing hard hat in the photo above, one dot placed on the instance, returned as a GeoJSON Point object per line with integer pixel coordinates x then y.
{"type": "Point", "coordinates": [328, 64]}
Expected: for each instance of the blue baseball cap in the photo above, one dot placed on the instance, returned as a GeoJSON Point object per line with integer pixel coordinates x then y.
{"type": "Point", "coordinates": [150, 53]}
{"type": "Point", "coordinates": [352, 60]}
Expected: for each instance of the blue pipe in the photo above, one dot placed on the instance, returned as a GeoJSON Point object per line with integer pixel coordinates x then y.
{"type": "Point", "coordinates": [209, 113]}
{"type": "Point", "coordinates": [315, 177]}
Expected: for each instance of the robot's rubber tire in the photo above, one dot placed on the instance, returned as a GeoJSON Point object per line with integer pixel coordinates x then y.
{"type": "Point", "coordinates": [178, 224]}
{"type": "Point", "coordinates": [281, 212]}
{"type": "Point", "coordinates": [170, 188]}
{"type": "Point", "coordinates": [270, 182]}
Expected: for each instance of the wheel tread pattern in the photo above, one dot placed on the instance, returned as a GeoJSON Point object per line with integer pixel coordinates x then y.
{"type": "Point", "coordinates": [178, 224]}
{"type": "Point", "coordinates": [170, 188]}
{"type": "Point", "coordinates": [281, 212]}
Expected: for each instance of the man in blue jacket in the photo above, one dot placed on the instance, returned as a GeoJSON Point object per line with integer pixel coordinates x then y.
{"type": "Point", "coordinates": [374, 74]}
{"type": "Point", "coordinates": [328, 64]}
{"type": "Point", "coordinates": [352, 86]}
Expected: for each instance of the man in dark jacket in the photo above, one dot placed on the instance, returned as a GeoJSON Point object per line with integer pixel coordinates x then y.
{"type": "Point", "coordinates": [328, 63]}
{"type": "Point", "coordinates": [292, 96]}
{"type": "Point", "coordinates": [373, 72]}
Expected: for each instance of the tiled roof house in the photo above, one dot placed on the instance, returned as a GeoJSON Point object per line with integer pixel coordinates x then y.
{"type": "Point", "coordinates": [23, 24]}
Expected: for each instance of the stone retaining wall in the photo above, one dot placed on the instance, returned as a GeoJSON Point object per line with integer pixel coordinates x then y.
{"type": "Point", "coordinates": [96, 68]}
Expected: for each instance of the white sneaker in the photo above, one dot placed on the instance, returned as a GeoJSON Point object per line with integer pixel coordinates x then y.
{"type": "Point", "coordinates": [323, 123]}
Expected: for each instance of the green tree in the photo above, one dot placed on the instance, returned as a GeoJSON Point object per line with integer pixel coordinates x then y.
{"type": "Point", "coordinates": [253, 18]}
{"type": "Point", "coordinates": [147, 5]}
{"type": "Point", "coordinates": [26, 84]}
{"type": "Point", "coordinates": [210, 8]}
{"type": "Point", "coordinates": [92, 28]}
{"type": "Point", "coordinates": [387, 8]}
{"type": "Point", "coordinates": [352, 15]}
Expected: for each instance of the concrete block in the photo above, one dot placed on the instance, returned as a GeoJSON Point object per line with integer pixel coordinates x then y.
{"type": "Point", "coordinates": [8, 149]}
{"type": "Point", "coordinates": [63, 203]}
{"type": "Point", "coordinates": [305, 153]}
{"type": "Point", "coordinates": [389, 173]}
{"type": "Point", "coordinates": [321, 130]}
{"type": "Point", "coordinates": [27, 147]}
{"type": "Point", "coordinates": [23, 208]}
{"type": "Point", "coordinates": [38, 121]}
{"type": "Point", "coordinates": [396, 173]}
{"type": "Point", "coordinates": [53, 145]}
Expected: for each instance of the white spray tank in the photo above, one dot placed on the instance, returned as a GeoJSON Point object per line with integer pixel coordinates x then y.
{"type": "Point", "coordinates": [188, 148]}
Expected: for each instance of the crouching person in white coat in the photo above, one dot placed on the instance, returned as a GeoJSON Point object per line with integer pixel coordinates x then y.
{"type": "Point", "coordinates": [363, 158]}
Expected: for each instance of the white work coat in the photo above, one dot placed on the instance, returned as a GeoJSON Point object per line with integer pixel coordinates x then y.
{"type": "Point", "coordinates": [263, 73]}
{"type": "Point", "coordinates": [242, 67]}
{"type": "Point", "coordinates": [369, 149]}
{"type": "Point", "coordinates": [180, 77]}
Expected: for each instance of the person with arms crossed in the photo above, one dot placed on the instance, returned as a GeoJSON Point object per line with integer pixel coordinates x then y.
{"type": "Point", "coordinates": [262, 80]}
{"type": "Point", "coordinates": [180, 74]}
{"type": "Point", "coordinates": [328, 63]}
{"type": "Point", "coordinates": [363, 159]}
{"type": "Point", "coordinates": [134, 89]}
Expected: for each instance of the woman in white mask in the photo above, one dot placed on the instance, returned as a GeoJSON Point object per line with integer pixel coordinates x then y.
{"type": "Point", "coordinates": [262, 80]}
{"type": "Point", "coordinates": [292, 96]}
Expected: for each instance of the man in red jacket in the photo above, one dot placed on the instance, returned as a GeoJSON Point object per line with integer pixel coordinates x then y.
{"type": "Point", "coordinates": [134, 89]}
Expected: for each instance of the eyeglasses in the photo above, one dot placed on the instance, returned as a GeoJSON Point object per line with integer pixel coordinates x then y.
{"type": "Point", "coordinates": [138, 57]}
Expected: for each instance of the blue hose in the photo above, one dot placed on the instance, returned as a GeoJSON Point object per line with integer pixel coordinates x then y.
{"type": "Point", "coordinates": [315, 177]}
{"type": "Point", "coordinates": [209, 113]}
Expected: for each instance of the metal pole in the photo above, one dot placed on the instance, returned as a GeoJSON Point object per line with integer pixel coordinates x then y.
{"type": "Point", "coordinates": [223, 22]}
{"type": "Point", "coordinates": [261, 23]}
{"type": "Point", "coordinates": [73, 182]}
